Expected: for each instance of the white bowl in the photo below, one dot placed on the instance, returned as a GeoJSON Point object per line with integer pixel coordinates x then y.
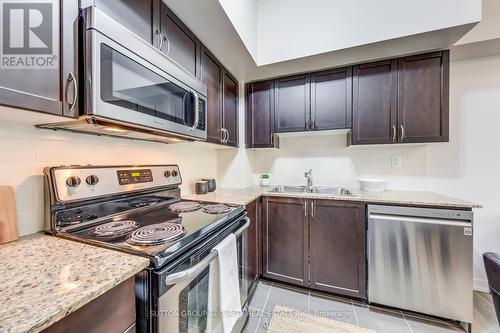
{"type": "Point", "coordinates": [373, 185]}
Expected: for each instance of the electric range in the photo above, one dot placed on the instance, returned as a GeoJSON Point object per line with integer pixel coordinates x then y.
{"type": "Point", "coordinates": [139, 210]}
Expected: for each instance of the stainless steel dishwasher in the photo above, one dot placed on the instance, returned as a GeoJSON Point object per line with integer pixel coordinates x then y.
{"type": "Point", "coordinates": [420, 259]}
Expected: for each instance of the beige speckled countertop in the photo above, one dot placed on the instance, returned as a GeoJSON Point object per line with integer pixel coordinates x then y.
{"type": "Point", "coordinates": [44, 278]}
{"type": "Point", "coordinates": [243, 196]}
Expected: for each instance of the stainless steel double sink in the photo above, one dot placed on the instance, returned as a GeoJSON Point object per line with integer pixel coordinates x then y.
{"type": "Point", "coordinates": [314, 190]}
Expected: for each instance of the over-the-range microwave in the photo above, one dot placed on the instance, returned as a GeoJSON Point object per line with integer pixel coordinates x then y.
{"type": "Point", "coordinates": [132, 89]}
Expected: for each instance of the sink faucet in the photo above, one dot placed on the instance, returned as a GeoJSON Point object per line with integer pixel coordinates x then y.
{"type": "Point", "coordinates": [308, 175]}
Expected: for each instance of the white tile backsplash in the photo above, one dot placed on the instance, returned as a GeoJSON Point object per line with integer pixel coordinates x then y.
{"type": "Point", "coordinates": [25, 151]}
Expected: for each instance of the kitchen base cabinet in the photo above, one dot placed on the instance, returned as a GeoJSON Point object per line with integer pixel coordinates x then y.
{"type": "Point", "coordinates": [318, 244]}
{"type": "Point", "coordinates": [112, 312]}
{"type": "Point", "coordinates": [285, 241]}
{"type": "Point", "coordinates": [254, 244]}
{"type": "Point", "coordinates": [337, 247]}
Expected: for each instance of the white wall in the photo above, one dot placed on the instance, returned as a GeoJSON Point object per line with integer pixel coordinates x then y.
{"type": "Point", "coordinates": [468, 166]}
{"type": "Point", "coordinates": [243, 16]}
{"type": "Point", "coordinates": [25, 151]}
{"type": "Point", "coordinates": [289, 29]}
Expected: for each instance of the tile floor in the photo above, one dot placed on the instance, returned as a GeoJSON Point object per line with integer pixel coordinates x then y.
{"type": "Point", "coordinates": [267, 295]}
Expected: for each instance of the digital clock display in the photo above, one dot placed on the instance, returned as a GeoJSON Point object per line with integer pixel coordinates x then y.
{"type": "Point", "coordinates": [128, 177]}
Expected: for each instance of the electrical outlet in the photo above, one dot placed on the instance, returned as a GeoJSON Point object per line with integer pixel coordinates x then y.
{"type": "Point", "coordinates": [396, 161]}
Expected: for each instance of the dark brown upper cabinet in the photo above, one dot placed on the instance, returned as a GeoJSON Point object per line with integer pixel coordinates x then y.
{"type": "Point", "coordinates": [48, 90]}
{"type": "Point", "coordinates": [292, 107]}
{"type": "Point", "coordinates": [337, 247]}
{"type": "Point", "coordinates": [230, 109]}
{"type": "Point", "coordinates": [374, 104]}
{"type": "Point", "coordinates": [403, 100]}
{"type": "Point", "coordinates": [212, 73]}
{"type": "Point", "coordinates": [222, 108]}
{"type": "Point", "coordinates": [423, 90]}
{"type": "Point", "coordinates": [331, 99]}
{"type": "Point", "coordinates": [140, 17]}
{"type": "Point", "coordinates": [285, 241]}
{"type": "Point", "coordinates": [260, 115]}
{"type": "Point", "coordinates": [178, 42]}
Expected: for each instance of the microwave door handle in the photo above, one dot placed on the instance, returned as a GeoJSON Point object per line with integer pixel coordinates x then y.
{"type": "Point", "coordinates": [199, 267]}
{"type": "Point", "coordinates": [196, 110]}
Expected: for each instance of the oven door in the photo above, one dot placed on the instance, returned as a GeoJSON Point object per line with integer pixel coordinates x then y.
{"type": "Point", "coordinates": [183, 307]}
{"type": "Point", "coordinates": [123, 86]}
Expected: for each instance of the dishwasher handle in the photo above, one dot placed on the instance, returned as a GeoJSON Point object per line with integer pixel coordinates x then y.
{"type": "Point", "coordinates": [426, 220]}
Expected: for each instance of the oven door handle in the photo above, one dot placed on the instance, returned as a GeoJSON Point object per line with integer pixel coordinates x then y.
{"type": "Point", "coordinates": [199, 267]}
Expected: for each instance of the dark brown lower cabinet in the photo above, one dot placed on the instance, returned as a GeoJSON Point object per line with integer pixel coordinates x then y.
{"type": "Point", "coordinates": [254, 244]}
{"type": "Point", "coordinates": [318, 244]}
{"type": "Point", "coordinates": [285, 240]}
{"type": "Point", "coordinates": [112, 312]}
{"type": "Point", "coordinates": [337, 247]}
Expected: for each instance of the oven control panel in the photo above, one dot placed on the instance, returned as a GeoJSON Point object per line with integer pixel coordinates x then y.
{"type": "Point", "coordinates": [127, 177]}
{"type": "Point", "coordinates": [75, 183]}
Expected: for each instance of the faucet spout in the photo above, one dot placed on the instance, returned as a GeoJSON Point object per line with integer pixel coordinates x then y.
{"type": "Point", "coordinates": [308, 175]}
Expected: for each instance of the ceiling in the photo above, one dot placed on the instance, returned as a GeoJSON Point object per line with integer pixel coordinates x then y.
{"type": "Point", "coordinates": [257, 39]}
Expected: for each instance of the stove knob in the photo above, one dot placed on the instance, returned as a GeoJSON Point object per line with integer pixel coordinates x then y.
{"type": "Point", "coordinates": [167, 173]}
{"type": "Point", "coordinates": [92, 180]}
{"type": "Point", "coordinates": [174, 173]}
{"type": "Point", "coordinates": [73, 181]}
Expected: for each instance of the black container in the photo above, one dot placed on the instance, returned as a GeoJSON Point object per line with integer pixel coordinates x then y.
{"type": "Point", "coordinates": [211, 184]}
{"type": "Point", "coordinates": [201, 187]}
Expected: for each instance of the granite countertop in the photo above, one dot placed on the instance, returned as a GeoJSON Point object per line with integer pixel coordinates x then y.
{"type": "Point", "coordinates": [243, 196]}
{"type": "Point", "coordinates": [45, 278]}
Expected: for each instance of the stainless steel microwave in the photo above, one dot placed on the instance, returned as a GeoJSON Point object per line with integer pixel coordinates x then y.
{"type": "Point", "coordinates": [129, 81]}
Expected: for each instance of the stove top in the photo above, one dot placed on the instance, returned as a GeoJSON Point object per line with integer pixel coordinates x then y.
{"type": "Point", "coordinates": [151, 221]}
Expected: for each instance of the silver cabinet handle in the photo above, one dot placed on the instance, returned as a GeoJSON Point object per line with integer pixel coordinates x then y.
{"type": "Point", "coordinates": [71, 79]}
{"type": "Point", "coordinates": [196, 110]}
{"type": "Point", "coordinates": [160, 39]}
{"type": "Point", "coordinates": [394, 133]}
{"type": "Point", "coordinates": [402, 132]}
{"type": "Point", "coordinates": [312, 209]}
{"type": "Point", "coordinates": [165, 38]}
{"type": "Point", "coordinates": [199, 267]}
{"type": "Point", "coordinates": [227, 135]}
{"type": "Point", "coordinates": [272, 140]}
{"type": "Point", "coordinates": [305, 208]}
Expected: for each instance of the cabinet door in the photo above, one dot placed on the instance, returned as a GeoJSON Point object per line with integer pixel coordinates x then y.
{"type": "Point", "coordinates": [260, 114]}
{"type": "Point", "coordinates": [337, 247]}
{"type": "Point", "coordinates": [331, 99]}
{"type": "Point", "coordinates": [212, 77]}
{"type": "Point", "coordinates": [374, 106]}
{"type": "Point", "coordinates": [285, 241]}
{"type": "Point", "coordinates": [179, 43]}
{"type": "Point", "coordinates": [253, 245]}
{"type": "Point", "coordinates": [137, 16]}
{"type": "Point", "coordinates": [230, 108]}
{"type": "Point", "coordinates": [423, 91]}
{"type": "Point", "coordinates": [33, 89]}
{"type": "Point", "coordinates": [292, 104]}
{"type": "Point", "coordinates": [69, 55]}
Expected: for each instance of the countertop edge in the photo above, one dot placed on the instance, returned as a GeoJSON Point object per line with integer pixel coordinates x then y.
{"type": "Point", "coordinates": [62, 313]}
{"type": "Point", "coordinates": [256, 192]}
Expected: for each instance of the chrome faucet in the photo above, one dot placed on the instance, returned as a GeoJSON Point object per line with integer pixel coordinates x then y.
{"type": "Point", "coordinates": [308, 175]}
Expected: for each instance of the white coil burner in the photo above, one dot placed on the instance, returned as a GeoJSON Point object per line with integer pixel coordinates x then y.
{"type": "Point", "coordinates": [185, 206]}
{"type": "Point", "coordinates": [156, 234]}
{"type": "Point", "coordinates": [114, 229]}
